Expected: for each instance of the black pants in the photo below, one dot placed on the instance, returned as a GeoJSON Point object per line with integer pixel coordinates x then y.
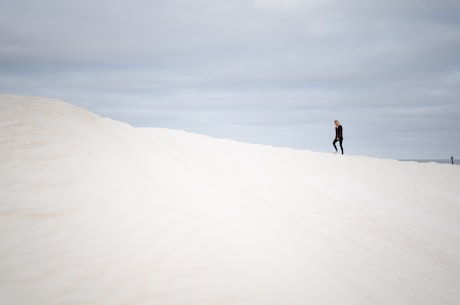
{"type": "Point", "coordinates": [340, 140]}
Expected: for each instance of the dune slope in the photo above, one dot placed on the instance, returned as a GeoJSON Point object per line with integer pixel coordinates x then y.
{"type": "Point", "coordinates": [94, 211]}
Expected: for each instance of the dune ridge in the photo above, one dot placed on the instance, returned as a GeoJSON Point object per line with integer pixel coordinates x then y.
{"type": "Point", "coordinates": [95, 211]}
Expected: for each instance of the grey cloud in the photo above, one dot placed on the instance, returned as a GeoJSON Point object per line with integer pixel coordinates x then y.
{"type": "Point", "coordinates": [274, 71]}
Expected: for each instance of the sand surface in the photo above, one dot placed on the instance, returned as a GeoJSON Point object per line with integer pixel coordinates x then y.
{"type": "Point", "coordinates": [94, 211]}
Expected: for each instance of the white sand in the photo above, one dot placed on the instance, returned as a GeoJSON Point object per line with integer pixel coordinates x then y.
{"type": "Point", "coordinates": [94, 211]}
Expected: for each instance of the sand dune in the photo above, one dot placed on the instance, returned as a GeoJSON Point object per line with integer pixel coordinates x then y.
{"type": "Point", "coordinates": [94, 211]}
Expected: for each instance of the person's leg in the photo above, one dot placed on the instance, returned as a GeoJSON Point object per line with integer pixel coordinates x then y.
{"type": "Point", "coordinates": [341, 147]}
{"type": "Point", "coordinates": [333, 143]}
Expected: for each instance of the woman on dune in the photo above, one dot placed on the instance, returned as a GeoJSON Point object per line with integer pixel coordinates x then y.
{"type": "Point", "coordinates": [338, 135]}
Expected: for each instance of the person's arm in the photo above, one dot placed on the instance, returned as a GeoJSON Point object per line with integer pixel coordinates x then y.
{"type": "Point", "coordinates": [340, 132]}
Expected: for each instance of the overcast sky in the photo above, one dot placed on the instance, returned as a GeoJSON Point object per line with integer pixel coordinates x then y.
{"type": "Point", "coordinates": [273, 72]}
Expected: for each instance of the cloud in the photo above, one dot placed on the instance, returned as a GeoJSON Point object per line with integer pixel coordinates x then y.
{"type": "Point", "coordinates": [274, 72]}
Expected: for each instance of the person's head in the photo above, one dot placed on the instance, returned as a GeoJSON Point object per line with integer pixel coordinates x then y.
{"type": "Point", "coordinates": [337, 123]}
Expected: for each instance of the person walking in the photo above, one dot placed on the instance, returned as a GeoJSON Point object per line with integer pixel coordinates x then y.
{"type": "Point", "coordinates": [338, 135]}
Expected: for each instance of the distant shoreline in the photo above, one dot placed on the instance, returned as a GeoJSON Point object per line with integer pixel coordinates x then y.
{"type": "Point", "coordinates": [442, 161]}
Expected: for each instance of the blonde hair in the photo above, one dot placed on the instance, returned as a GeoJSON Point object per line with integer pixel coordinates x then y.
{"type": "Point", "coordinates": [337, 121]}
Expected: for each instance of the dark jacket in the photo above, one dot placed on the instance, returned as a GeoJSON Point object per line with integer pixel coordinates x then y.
{"type": "Point", "coordinates": [338, 132]}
